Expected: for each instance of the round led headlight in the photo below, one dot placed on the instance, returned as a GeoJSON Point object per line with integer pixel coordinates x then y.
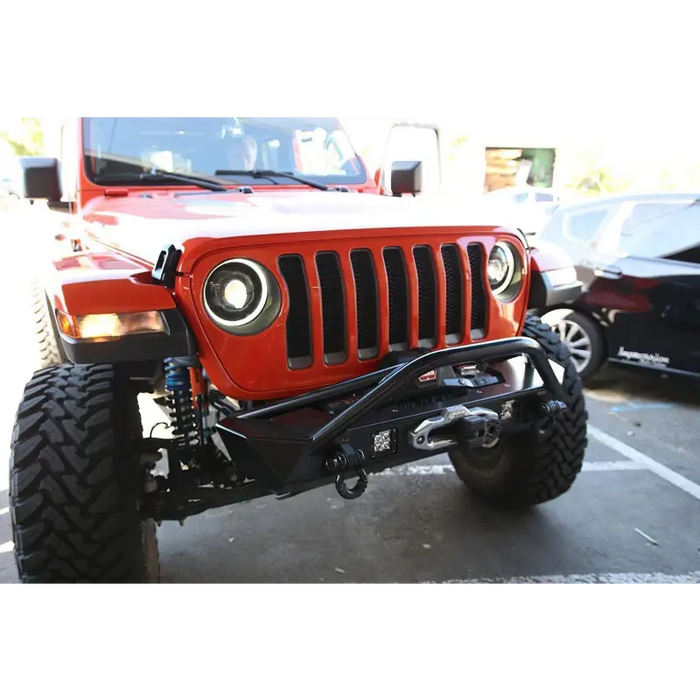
{"type": "Point", "coordinates": [505, 271]}
{"type": "Point", "coordinates": [241, 297]}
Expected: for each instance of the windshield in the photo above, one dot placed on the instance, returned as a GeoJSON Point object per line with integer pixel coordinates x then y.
{"type": "Point", "coordinates": [120, 149]}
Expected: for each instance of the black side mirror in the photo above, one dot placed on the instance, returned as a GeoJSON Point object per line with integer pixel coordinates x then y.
{"type": "Point", "coordinates": [40, 178]}
{"type": "Point", "coordinates": [407, 178]}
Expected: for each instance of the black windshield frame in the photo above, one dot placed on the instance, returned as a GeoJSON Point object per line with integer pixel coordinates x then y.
{"type": "Point", "coordinates": [131, 179]}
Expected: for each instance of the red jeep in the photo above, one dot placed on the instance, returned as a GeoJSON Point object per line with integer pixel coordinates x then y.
{"type": "Point", "coordinates": [297, 328]}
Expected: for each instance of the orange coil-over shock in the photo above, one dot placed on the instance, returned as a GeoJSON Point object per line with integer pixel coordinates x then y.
{"type": "Point", "coordinates": [200, 402]}
{"type": "Point", "coordinates": [199, 387]}
{"type": "Point", "coordinates": [187, 387]}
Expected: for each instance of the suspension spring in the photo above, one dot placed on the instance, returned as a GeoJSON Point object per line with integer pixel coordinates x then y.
{"type": "Point", "coordinates": [182, 413]}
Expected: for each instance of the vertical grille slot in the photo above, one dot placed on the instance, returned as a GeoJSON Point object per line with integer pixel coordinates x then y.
{"type": "Point", "coordinates": [398, 298]}
{"type": "Point", "coordinates": [333, 306]}
{"type": "Point", "coordinates": [454, 277]}
{"type": "Point", "coordinates": [479, 298]}
{"type": "Point", "coordinates": [427, 296]}
{"type": "Point", "coordinates": [299, 343]}
{"type": "Point", "coordinates": [367, 304]}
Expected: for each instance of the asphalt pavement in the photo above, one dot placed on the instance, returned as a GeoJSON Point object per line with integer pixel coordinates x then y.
{"type": "Point", "coordinates": [633, 517]}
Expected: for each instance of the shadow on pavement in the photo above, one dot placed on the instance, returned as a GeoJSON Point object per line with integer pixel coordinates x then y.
{"type": "Point", "coordinates": [7, 558]}
{"type": "Point", "coordinates": [408, 531]}
{"type": "Point", "coordinates": [8, 570]}
{"type": "Point", "coordinates": [646, 386]}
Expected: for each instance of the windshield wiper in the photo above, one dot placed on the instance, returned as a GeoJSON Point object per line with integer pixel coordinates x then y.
{"type": "Point", "coordinates": [158, 175]}
{"type": "Point", "coordinates": [270, 174]}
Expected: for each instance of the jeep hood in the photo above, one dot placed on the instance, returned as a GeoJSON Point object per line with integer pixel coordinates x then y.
{"type": "Point", "coordinates": [142, 224]}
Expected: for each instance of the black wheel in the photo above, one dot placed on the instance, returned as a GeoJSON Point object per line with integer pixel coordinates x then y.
{"type": "Point", "coordinates": [543, 464]}
{"type": "Point", "coordinates": [582, 336]}
{"type": "Point", "coordinates": [48, 347]}
{"type": "Point", "coordinates": [76, 483]}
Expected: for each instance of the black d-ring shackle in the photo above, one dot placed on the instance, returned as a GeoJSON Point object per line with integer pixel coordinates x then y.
{"type": "Point", "coordinates": [345, 463]}
{"type": "Point", "coordinates": [351, 494]}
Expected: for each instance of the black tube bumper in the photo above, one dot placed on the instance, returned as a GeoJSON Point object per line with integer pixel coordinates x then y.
{"type": "Point", "coordinates": [289, 446]}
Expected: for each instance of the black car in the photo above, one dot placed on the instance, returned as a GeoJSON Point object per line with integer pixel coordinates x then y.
{"type": "Point", "coordinates": [638, 257]}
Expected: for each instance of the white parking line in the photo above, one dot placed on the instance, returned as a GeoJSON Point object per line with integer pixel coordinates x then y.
{"type": "Point", "coordinates": [626, 579]}
{"type": "Point", "coordinates": [4, 511]}
{"type": "Point", "coordinates": [447, 468]}
{"type": "Point", "coordinates": [7, 548]}
{"type": "Point", "coordinates": [645, 462]}
{"type": "Point", "coordinates": [613, 467]}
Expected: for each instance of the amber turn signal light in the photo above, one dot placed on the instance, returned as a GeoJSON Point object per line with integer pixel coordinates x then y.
{"type": "Point", "coordinates": [109, 326]}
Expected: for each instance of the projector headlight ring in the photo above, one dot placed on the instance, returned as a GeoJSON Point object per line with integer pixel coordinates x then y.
{"type": "Point", "coordinates": [505, 271]}
{"type": "Point", "coordinates": [242, 297]}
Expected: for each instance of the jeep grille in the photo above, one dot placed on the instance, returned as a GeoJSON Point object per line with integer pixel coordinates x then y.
{"type": "Point", "coordinates": [385, 293]}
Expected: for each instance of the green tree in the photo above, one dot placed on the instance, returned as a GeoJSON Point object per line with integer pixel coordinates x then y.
{"type": "Point", "coordinates": [27, 138]}
{"type": "Point", "coordinates": [597, 171]}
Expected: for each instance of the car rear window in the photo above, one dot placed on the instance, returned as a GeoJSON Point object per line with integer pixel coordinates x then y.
{"type": "Point", "coordinates": [661, 229]}
{"type": "Point", "coordinates": [585, 226]}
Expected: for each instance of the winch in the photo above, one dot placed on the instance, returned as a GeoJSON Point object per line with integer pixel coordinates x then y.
{"type": "Point", "coordinates": [479, 427]}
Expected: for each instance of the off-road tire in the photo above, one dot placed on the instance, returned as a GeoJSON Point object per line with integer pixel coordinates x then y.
{"type": "Point", "coordinates": [75, 481]}
{"type": "Point", "coordinates": [594, 332]}
{"type": "Point", "coordinates": [538, 466]}
{"type": "Point", "coordinates": [48, 346]}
